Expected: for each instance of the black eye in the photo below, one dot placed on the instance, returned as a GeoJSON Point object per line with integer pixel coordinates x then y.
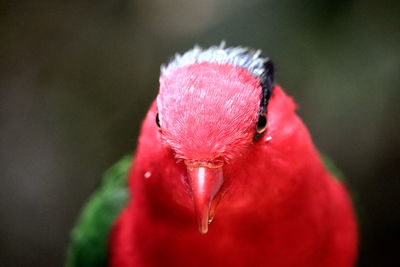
{"type": "Point", "coordinates": [261, 124]}
{"type": "Point", "coordinates": [158, 121]}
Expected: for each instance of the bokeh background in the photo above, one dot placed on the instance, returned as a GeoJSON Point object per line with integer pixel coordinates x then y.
{"type": "Point", "coordinates": [76, 79]}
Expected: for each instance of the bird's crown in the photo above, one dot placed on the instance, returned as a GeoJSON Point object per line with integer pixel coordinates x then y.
{"type": "Point", "coordinates": [242, 57]}
{"type": "Point", "coordinates": [252, 60]}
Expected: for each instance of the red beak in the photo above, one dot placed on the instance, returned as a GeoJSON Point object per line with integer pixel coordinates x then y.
{"type": "Point", "coordinates": [205, 181]}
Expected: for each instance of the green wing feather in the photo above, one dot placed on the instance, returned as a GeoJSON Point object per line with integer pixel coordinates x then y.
{"type": "Point", "coordinates": [88, 246]}
{"type": "Point", "coordinates": [330, 165]}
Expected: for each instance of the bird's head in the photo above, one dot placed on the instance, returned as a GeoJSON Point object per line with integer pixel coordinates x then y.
{"type": "Point", "coordinates": [212, 105]}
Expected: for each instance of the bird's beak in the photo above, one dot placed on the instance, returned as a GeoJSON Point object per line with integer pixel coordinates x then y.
{"type": "Point", "coordinates": [205, 180]}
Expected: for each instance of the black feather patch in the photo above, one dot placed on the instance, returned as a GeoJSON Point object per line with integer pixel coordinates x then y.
{"type": "Point", "coordinates": [267, 85]}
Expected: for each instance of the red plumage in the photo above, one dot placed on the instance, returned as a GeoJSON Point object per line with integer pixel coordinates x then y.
{"type": "Point", "coordinates": [281, 206]}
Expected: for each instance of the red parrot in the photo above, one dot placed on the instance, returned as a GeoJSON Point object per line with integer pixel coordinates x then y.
{"type": "Point", "coordinates": [222, 148]}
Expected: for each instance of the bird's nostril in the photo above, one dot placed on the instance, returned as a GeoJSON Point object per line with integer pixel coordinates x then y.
{"type": "Point", "coordinates": [214, 163]}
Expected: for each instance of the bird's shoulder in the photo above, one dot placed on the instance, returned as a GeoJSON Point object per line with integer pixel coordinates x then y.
{"type": "Point", "coordinates": [89, 237]}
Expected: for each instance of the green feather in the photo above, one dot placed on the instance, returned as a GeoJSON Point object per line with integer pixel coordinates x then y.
{"type": "Point", "coordinates": [330, 165]}
{"type": "Point", "coordinates": [88, 246]}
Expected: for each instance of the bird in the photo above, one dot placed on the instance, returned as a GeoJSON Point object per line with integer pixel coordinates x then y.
{"type": "Point", "coordinates": [225, 173]}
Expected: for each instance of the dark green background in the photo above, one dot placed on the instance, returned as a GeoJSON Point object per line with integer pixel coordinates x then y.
{"type": "Point", "coordinates": [76, 79]}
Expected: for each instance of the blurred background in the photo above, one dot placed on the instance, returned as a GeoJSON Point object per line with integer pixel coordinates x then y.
{"type": "Point", "coordinates": [76, 79]}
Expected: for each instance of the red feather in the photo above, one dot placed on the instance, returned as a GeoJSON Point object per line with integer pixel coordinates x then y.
{"type": "Point", "coordinates": [281, 206]}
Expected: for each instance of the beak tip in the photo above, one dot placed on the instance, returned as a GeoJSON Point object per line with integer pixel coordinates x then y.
{"type": "Point", "coordinates": [203, 229]}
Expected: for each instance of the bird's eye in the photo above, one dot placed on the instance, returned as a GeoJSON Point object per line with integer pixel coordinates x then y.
{"type": "Point", "coordinates": [261, 124]}
{"type": "Point", "coordinates": [158, 121]}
